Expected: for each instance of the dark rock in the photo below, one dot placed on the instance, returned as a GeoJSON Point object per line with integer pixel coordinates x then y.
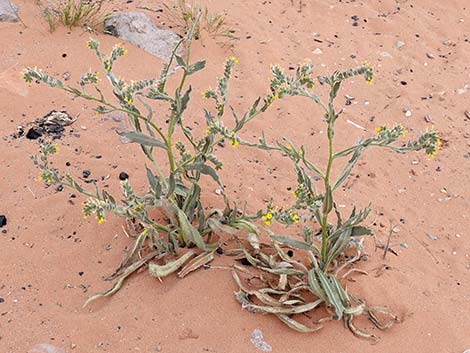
{"type": "Point", "coordinates": [86, 173]}
{"type": "Point", "coordinates": [137, 28]}
{"type": "Point", "coordinates": [123, 176]}
{"type": "Point", "coordinates": [33, 133]}
{"type": "Point", "coordinates": [3, 221]}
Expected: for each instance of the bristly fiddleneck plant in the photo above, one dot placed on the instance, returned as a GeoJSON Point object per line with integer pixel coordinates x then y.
{"type": "Point", "coordinates": [288, 283]}
{"type": "Point", "coordinates": [176, 191]}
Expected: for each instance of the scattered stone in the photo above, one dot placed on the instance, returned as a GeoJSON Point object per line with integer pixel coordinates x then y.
{"type": "Point", "coordinates": [259, 342]}
{"type": "Point", "coordinates": [432, 236]}
{"type": "Point", "coordinates": [385, 54]}
{"type": "Point", "coordinates": [52, 124]}
{"type": "Point", "coordinates": [2, 300]}
{"type": "Point", "coordinates": [467, 114]}
{"type": "Point", "coordinates": [188, 334]}
{"type": "Point", "coordinates": [86, 174]}
{"type": "Point", "coordinates": [218, 191]}
{"type": "Point", "coordinates": [66, 75]}
{"type": "Point", "coordinates": [430, 55]}
{"type": "Point", "coordinates": [45, 348]}
{"type": "Point", "coordinates": [404, 245]}
{"type": "Point", "coordinates": [462, 90]}
{"type": "Point", "coordinates": [123, 176]}
{"type": "Point", "coordinates": [33, 134]}
{"type": "Point", "coordinates": [137, 28]}
{"type": "Point", "coordinates": [407, 112]}
{"type": "Point", "coordinates": [428, 119]}
{"type": "Point", "coordinates": [8, 11]}
{"type": "Point", "coordinates": [317, 51]}
{"type": "Point", "coordinates": [400, 44]}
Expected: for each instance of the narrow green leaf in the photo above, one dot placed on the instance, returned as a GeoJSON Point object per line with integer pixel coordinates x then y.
{"type": "Point", "coordinates": [296, 244]}
{"type": "Point", "coordinates": [143, 139]}
{"type": "Point", "coordinates": [197, 66]}
{"type": "Point", "coordinates": [332, 295]}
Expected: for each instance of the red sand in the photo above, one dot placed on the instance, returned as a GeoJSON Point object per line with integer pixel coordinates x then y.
{"type": "Point", "coordinates": [48, 243]}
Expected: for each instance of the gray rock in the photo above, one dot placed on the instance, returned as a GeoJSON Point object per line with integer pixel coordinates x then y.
{"type": "Point", "coordinates": [8, 11]}
{"type": "Point", "coordinates": [259, 342]}
{"type": "Point", "coordinates": [137, 28]}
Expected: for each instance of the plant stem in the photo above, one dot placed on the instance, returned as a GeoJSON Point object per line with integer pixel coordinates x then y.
{"type": "Point", "coordinates": [324, 224]}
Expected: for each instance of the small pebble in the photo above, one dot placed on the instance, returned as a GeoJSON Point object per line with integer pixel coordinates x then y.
{"type": "Point", "coordinates": [86, 173]}
{"type": "Point", "coordinates": [3, 221]}
{"type": "Point", "coordinates": [123, 176]}
{"type": "Point", "coordinates": [317, 51]}
{"type": "Point", "coordinates": [400, 44]}
{"type": "Point", "coordinates": [432, 236]}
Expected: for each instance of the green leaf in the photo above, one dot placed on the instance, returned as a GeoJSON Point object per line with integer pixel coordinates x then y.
{"type": "Point", "coordinates": [197, 66]}
{"type": "Point", "coordinates": [171, 185]}
{"type": "Point", "coordinates": [296, 244]}
{"type": "Point", "coordinates": [360, 230]}
{"type": "Point", "coordinates": [143, 139]}
{"type": "Point", "coordinates": [190, 234]}
{"type": "Point", "coordinates": [333, 297]}
{"type": "Point", "coordinates": [314, 285]}
{"type": "Point", "coordinates": [154, 183]}
{"type": "Point", "coordinates": [204, 169]}
{"type": "Point", "coordinates": [180, 61]}
{"type": "Point", "coordinates": [328, 201]}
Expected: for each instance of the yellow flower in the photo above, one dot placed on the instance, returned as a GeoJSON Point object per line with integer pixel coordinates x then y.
{"type": "Point", "coordinates": [294, 217]}
{"type": "Point", "coordinates": [204, 94]}
{"type": "Point", "coordinates": [269, 215]}
{"type": "Point", "coordinates": [234, 143]}
{"type": "Point", "coordinates": [56, 148]}
{"type": "Point", "coordinates": [233, 59]}
{"type": "Point", "coordinates": [380, 128]}
{"type": "Point", "coordinates": [125, 52]}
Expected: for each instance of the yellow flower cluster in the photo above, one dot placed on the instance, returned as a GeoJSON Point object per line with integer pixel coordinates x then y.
{"type": "Point", "coordinates": [294, 216]}
{"type": "Point", "coordinates": [267, 218]}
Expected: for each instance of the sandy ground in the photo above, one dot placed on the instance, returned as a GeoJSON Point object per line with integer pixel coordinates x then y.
{"type": "Point", "coordinates": [52, 259]}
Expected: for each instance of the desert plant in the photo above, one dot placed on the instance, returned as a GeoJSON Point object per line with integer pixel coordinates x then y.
{"type": "Point", "coordinates": [74, 13]}
{"type": "Point", "coordinates": [174, 192]}
{"type": "Point", "coordinates": [183, 14]}
{"type": "Point", "coordinates": [297, 286]}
